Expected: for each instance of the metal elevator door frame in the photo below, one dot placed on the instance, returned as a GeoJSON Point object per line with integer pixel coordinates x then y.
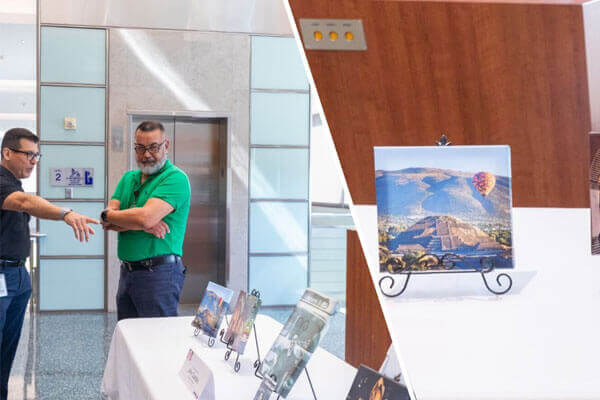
{"type": "Point", "coordinates": [224, 121]}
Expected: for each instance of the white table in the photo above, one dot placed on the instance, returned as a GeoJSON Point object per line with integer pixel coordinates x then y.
{"type": "Point", "coordinates": [146, 355]}
{"type": "Point", "coordinates": [540, 341]}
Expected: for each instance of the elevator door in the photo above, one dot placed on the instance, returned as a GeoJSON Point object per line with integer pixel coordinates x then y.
{"type": "Point", "coordinates": [199, 152]}
{"type": "Point", "coordinates": [198, 147]}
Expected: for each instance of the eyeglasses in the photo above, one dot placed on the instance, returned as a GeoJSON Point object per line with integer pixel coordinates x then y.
{"type": "Point", "coordinates": [153, 148]}
{"type": "Point", "coordinates": [30, 154]}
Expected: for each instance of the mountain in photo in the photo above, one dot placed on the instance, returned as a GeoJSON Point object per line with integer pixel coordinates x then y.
{"type": "Point", "coordinates": [413, 193]}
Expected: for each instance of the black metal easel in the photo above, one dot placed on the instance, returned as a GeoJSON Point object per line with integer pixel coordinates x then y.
{"type": "Point", "coordinates": [237, 365]}
{"type": "Point", "coordinates": [272, 377]}
{"type": "Point", "coordinates": [211, 340]}
{"type": "Point", "coordinates": [448, 270]}
{"type": "Point", "coordinates": [447, 264]}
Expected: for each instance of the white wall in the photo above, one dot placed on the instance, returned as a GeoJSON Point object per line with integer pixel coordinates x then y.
{"type": "Point", "coordinates": [540, 341]}
{"type": "Point", "coordinates": [326, 185]}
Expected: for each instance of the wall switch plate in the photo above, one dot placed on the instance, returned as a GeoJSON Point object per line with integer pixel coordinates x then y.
{"type": "Point", "coordinates": [70, 123]}
{"type": "Point", "coordinates": [116, 139]}
{"type": "Point", "coordinates": [316, 120]}
{"type": "Point", "coordinates": [68, 193]}
{"type": "Point", "coordinates": [333, 34]}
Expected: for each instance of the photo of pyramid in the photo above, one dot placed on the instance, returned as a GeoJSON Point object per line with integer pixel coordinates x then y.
{"type": "Point", "coordinates": [437, 201]}
{"type": "Point", "coordinates": [212, 309]}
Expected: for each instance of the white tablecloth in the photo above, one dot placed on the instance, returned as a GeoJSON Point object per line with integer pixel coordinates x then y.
{"type": "Point", "coordinates": [146, 355]}
{"type": "Point", "coordinates": [540, 341]}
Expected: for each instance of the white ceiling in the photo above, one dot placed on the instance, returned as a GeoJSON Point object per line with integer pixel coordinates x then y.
{"type": "Point", "coordinates": [17, 11]}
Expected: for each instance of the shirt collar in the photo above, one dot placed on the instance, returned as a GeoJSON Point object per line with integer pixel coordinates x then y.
{"type": "Point", "coordinates": [7, 174]}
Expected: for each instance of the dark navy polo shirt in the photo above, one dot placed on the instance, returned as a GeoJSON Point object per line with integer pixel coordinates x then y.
{"type": "Point", "coordinates": [14, 226]}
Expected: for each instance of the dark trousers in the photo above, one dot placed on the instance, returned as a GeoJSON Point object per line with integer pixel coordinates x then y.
{"type": "Point", "coordinates": [150, 293]}
{"type": "Point", "coordinates": [12, 312]}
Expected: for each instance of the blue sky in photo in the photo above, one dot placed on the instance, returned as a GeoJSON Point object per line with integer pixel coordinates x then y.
{"type": "Point", "coordinates": [493, 159]}
{"type": "Point", "coordinates": [221, 291]}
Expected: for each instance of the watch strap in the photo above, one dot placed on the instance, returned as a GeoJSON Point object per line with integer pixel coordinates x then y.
{"type": "Point", "coordinates": [64, 211]}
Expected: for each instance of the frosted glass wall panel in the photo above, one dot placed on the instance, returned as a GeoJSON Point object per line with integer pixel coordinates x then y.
{"type": "Point", "coordinates": [278, 227]}
{"type": "Point", "coordinates": [279, 119]}
{"type": "Point", "coordinates": [86, 105]}
{"type": "Point", "coordinates": [73, 55]}
{"type": "Point", "coordinates": [60, 239]}
{"type": "Point", "coordinates": [281, 280]}
{"type": "Point", "coordinates": [73, 284]}
{"type": "Point", "coordinates": [64, 156]}
{"type": "Point", "coordinates": [276, 64]}
{"type": "Point", "coordinates": [279, 173]}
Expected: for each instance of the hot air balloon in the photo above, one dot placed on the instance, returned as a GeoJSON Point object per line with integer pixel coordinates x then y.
{"type": "Point", "coordinates": [484, 182]}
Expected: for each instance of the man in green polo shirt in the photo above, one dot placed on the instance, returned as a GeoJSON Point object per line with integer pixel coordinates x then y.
{"type": "Point", "coordinates": [149, 209]}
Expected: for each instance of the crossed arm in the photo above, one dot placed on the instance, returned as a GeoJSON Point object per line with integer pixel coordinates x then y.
{"type": "Point", "coordinates": [147, 218]}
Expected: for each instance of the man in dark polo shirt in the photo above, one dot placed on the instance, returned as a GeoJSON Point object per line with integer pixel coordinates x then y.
{"type": "Point", "coordinates": [149, 209]}
{"type": "Point", "coordinates": [20, 154]}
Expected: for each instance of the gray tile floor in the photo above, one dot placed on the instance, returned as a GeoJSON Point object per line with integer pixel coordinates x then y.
{"type": "Point", "coordinates": [61, 356]}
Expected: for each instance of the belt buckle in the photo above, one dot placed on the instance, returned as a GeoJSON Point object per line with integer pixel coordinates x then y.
{"type": "Point", "coordinates": [147, 263]}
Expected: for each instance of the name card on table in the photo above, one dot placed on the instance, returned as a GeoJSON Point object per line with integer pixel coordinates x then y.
{"type": "Point", "coordinates": [197, 377]}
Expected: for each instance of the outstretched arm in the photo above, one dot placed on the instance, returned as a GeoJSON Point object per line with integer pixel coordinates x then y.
{"type": "Point", "coordinates": [42, 208]}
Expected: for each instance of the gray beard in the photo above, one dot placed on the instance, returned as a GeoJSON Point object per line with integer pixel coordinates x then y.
{"type": "Point", "coordinates": [154, 168]}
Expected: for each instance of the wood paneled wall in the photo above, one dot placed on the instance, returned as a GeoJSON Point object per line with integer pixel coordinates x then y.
{"type": "Point", "coordinates": [367, 336]}
{"type": "Point", "coordinates": [482, 73]}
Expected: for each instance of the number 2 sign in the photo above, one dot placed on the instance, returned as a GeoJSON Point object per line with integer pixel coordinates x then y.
{"type": "Point", "coordinates": [83, 177]}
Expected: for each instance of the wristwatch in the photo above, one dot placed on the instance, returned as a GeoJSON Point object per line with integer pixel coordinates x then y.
{"type": "Point", "coordinates": [103, 215]}
{"type": "Point", "coordinates": [64, 211]}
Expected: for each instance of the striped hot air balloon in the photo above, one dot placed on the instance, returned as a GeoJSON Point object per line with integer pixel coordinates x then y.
{"type": "Point", "coordinates": [484, 182]}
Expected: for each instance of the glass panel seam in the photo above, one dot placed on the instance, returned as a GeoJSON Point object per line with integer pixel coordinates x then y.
{"type": "Point", "coordinates": [278, 254]}
{"type": "Point", "coordinates": [70, 143]}
{"type": "Point", "coordinates": [73, 257]}
{"type": "Point", "coordinates": [278, 200]}
{"type": "Point", "coordinates": [74, 84]}
{"type": "Point", "coordinates": [266, 90]}
{"type": "Point", "coordinates": [279, 146]}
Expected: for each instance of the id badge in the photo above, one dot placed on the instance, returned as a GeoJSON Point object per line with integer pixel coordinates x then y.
{"type": "Point", "coordinates": [3, 291]}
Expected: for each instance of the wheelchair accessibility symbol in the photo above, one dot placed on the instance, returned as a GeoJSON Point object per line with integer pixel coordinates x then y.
{"type": "Point", "coordinates": [70, 177]}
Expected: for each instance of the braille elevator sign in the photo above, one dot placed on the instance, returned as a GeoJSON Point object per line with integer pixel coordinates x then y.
{"type": "Point", "coordinates": [72, 177]}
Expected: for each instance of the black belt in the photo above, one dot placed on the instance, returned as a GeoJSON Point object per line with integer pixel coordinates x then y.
{"type": "Point", "coordinates": [12, 263]}
{"type": "Point", "coordinates": [148, 263]}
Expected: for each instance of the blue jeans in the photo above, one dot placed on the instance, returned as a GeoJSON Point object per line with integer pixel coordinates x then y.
{"type": "Point", "coordinates": [12, 312]}
{"type": "Point", "coordinates": [150, 293]}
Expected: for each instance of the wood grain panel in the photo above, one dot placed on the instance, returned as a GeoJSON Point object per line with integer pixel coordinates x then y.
{"type": "Point", "coordinates": [481, 73]}
{"type": "Point", "coordinates": [591, 20]}
{"type": "Point", "coordinates": [367, 336]}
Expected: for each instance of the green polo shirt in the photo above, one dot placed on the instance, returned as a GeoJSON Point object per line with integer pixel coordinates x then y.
{"type": "Point", "coordinates": [169, 184]}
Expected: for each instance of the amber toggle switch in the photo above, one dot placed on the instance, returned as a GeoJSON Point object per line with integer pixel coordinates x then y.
{"type": "Point", "coordinates": [343, 34]}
